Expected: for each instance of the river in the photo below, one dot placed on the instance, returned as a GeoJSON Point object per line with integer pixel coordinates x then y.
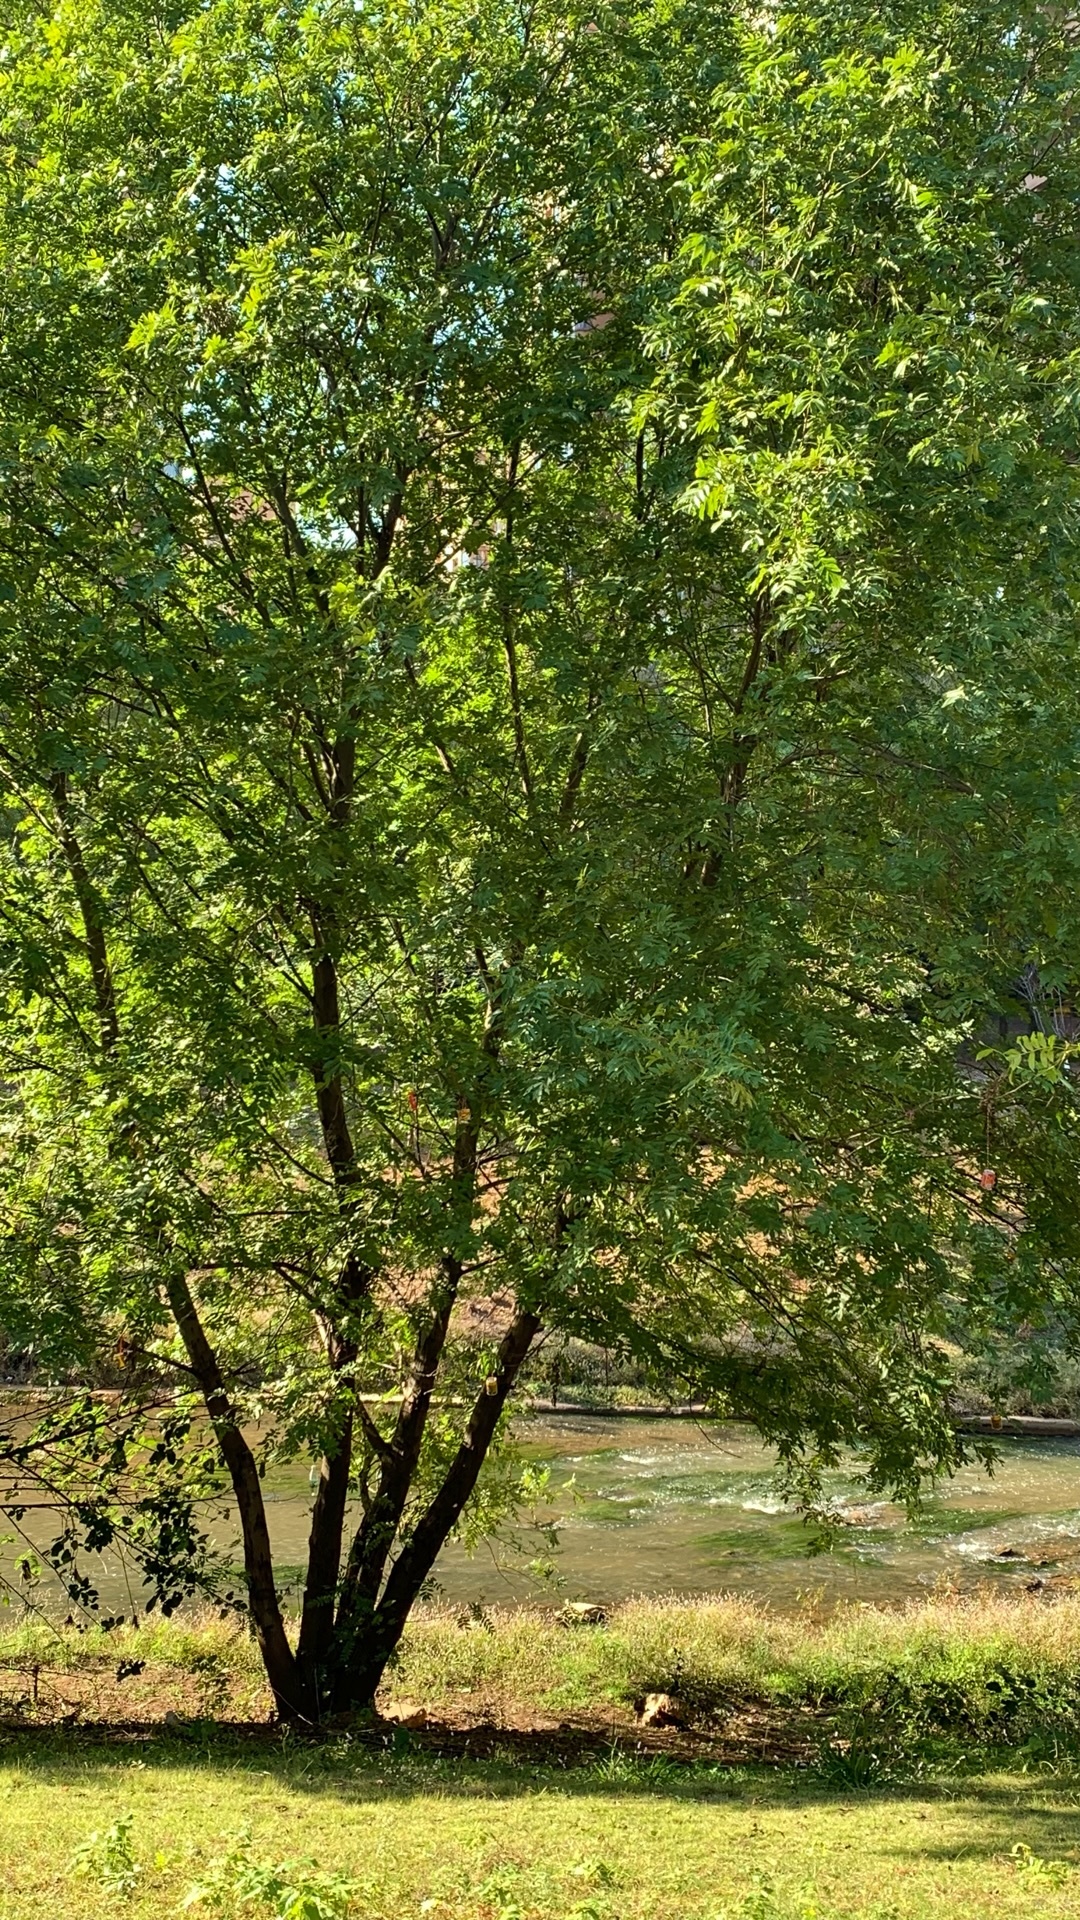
{"type": "Point", "coordinates": [662, 1506]}
{"type": "Point", "coordinates": [670, 1506]}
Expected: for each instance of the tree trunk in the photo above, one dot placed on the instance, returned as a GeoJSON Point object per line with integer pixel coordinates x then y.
{"type": "Point", "coordinates": [399, 1459]}
{"type": "Point", "coordinates": [277, 1655]}
{"type": "Point", "coordinates": [370, 1649]}
{"type": "Point", "coordinates": [374, 1539]}
{"type": "Point", "coordinates": [315, 1647]}
{"type": "Point", "coordinates": [316, 1643]}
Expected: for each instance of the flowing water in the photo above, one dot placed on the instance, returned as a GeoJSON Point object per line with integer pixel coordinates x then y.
{"type": "Point", "coordinates": [655, 1506]}
{"type": "Point", "coordinates": [670, 1506]}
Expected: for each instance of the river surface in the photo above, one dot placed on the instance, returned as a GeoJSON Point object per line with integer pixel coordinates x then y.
{"type": "Point", "coordinates": [671, 1506]}
{"type": "Point", "coordinates": [662, 1506]}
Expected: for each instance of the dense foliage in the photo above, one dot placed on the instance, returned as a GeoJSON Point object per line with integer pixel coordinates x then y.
{"type": "Point", "coordinates": [538, 721]}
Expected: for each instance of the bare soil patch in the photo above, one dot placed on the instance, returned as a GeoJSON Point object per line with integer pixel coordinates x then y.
{"type": "Point", "coordinates": [108, 1703]}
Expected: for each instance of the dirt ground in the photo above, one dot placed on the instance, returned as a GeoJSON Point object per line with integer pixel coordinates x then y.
{"type": "Point", "coordinates": [110, 1701]}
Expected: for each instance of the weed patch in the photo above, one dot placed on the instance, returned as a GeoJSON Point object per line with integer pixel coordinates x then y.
{"type": "Point", "coordinates": [994, 1669]}
{"type": "Point", "coordinates": [109, 1859]}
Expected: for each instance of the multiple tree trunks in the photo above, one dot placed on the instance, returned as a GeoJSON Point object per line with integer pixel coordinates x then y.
{"type": "Point", "coordinates": [351, 1621]}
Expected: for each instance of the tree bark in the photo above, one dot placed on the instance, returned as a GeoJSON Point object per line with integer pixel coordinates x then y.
{"type": "Point", "coordinates": [375, 1537]}
{"type": "Point", "coordinates": [315, 1647]}
{"type": "Point", "coordinates": [93, 931]}
{"type": "Point", "coordinates": [419, 1554]}
{"type": "Point", "coordinates": [277, 1655]}
{"type": "Point", "coordinates": [317, 1623]}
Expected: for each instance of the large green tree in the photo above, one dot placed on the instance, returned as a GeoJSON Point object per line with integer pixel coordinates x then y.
{"type": "Point", "coordinates": [537, 562]}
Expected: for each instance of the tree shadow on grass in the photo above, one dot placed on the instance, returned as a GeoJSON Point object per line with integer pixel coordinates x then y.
{"type": "Point", "coordinates": [995, 1810]}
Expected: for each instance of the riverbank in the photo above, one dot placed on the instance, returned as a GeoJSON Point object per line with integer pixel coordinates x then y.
{"type": "Point", "coordinates": [920, 1763]}
{"type": "Point", "coordinates": [741, 1681]}
{"type": "Point", "coordinates": [1017, 1426]}
{"type": "Point", "coordinates": [624, 1404]}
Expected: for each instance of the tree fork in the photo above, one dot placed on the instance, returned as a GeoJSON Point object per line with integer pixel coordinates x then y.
{"type": "Point", "coordinates": [418, 1556]}
{"type": "Point", "coordinates": [374, 1539]}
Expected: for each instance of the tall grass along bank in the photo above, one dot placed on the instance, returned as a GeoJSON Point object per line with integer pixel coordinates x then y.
{"type": "Point", "coordinates": [995, 1669]}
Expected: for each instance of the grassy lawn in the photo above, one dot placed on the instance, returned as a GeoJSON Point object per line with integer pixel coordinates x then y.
{"type": "Point", "coordinates": [460, 1840]}
{"type": "Point", "coordinates": [923, 1762]}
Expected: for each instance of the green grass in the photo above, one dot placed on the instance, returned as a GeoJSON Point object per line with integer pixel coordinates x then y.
{"type": "Point", "coordinates": [940, 1777]}
{"type": "Point", "coordinates": [988, 1669]}
{"type": "Point", "coordinates": [415, 1836]}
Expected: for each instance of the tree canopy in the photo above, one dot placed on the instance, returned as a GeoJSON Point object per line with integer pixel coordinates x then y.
{"type": "Point", "coordinates": [537, 673]}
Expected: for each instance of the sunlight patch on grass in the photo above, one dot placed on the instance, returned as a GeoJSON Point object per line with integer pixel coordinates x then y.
{"type": "Point", "coordinates": [475, 1841]}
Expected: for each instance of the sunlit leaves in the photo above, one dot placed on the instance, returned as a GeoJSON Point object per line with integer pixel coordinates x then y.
{"type": "Point", "coordinates": [662, 724]}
